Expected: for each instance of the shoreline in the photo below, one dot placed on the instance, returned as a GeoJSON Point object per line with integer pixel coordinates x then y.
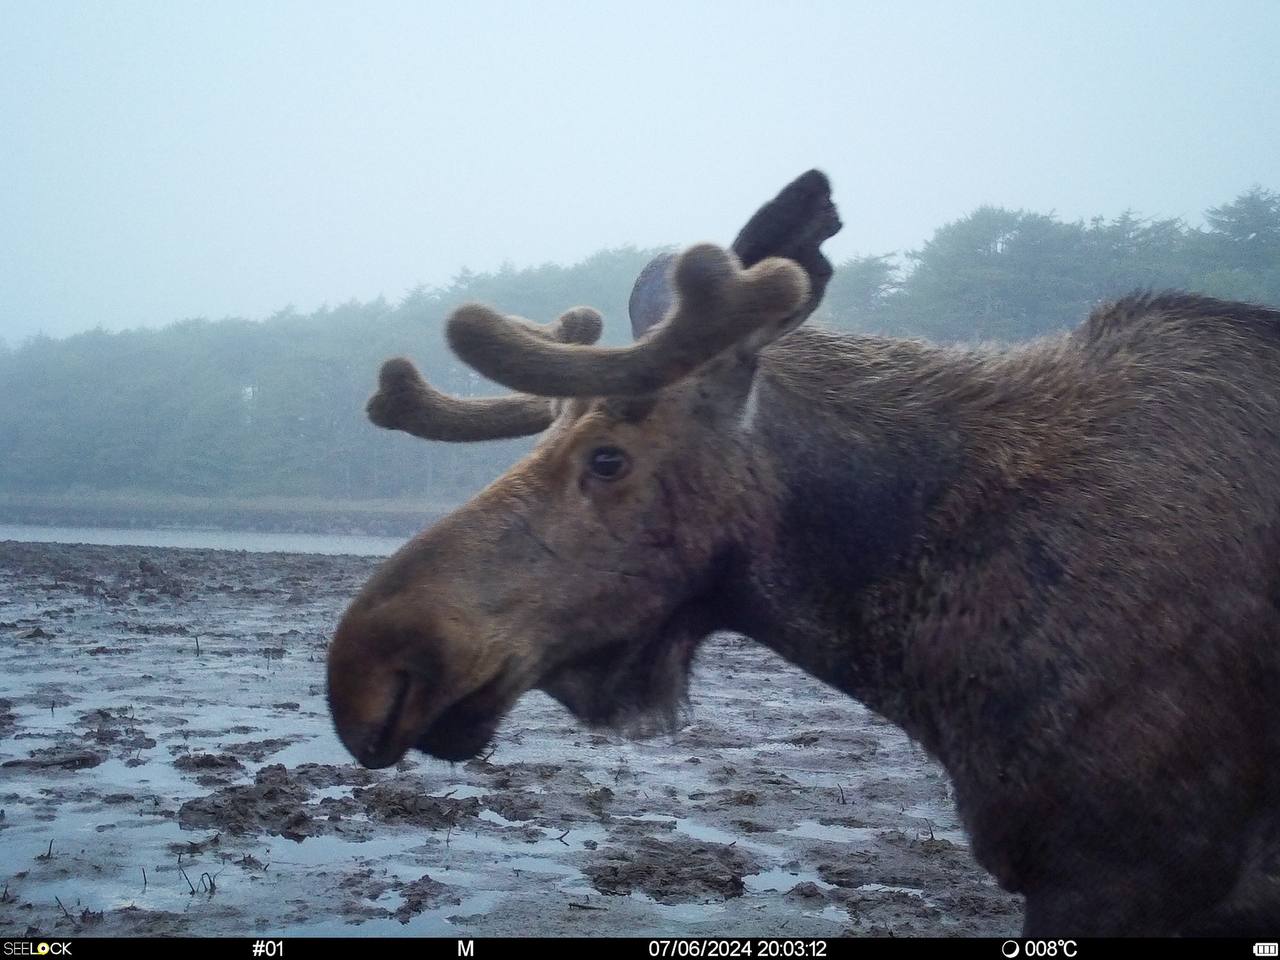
{"type": "Point", "coordinates": [139, 511]}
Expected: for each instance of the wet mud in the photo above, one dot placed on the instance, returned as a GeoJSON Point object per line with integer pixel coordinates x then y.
{"type": "Point", "coordinates": [167, 766]}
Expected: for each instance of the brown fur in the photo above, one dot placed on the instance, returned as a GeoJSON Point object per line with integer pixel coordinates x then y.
{"type": "Point", "coordinates": [1057, 566]}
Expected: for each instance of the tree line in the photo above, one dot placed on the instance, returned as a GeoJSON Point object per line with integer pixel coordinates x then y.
{"type": "Point", "coordinates": [243, 409]}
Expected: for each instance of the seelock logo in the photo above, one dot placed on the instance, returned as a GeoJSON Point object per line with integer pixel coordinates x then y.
{"type": "Point", "coordinates": [37, 948]}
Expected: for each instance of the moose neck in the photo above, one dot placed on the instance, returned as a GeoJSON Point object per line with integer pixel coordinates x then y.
{"type": "Point", "coordinates": [871, 441]}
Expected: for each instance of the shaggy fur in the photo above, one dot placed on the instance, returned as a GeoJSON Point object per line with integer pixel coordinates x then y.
{"type": "Point", "coordinates": [1056, 566]}
{"type": "Point", "coordinates": [1059, 569]}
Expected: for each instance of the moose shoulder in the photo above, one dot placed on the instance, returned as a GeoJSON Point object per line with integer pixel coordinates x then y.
{"type": "Point", "coordinates": [1056, 566]}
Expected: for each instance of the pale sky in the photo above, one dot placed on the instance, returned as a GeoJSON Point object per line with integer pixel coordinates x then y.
{"type": "Point", "coordinates": [165, 160]}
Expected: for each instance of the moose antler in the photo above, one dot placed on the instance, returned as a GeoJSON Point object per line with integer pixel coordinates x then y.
{"type": "Point", "coordinates": [718, 305]}
{"type": "Point", "coordinates": [405, 401]}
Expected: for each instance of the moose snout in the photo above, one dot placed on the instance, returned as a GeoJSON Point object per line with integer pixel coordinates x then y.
{"type": "Point", "coordinates": [399, 677]}
{"type": "Point", "coordinates": [384, 676]}
{"type": "Point", "coordinates": [367, 699]}
{"type": "Point", "coordinates": [368, 724]}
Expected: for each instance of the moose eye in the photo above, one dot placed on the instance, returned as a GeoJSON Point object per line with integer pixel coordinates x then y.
{"type": "Point", "coordinates": [608, 463]}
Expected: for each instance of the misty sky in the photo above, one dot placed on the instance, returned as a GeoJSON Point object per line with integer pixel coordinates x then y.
{"type": "Point", "coordinates": [169, 160]}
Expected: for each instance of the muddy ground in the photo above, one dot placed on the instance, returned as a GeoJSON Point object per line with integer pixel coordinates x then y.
{"type": "Point", "coordinates": [167, 766]}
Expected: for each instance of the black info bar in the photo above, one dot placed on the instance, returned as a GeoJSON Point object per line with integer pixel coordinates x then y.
{"type": "Point", "coordinates": [633, 948]}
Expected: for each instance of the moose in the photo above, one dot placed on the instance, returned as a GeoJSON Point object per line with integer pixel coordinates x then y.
{"type": "Point", "coordinates": [1055, 565]}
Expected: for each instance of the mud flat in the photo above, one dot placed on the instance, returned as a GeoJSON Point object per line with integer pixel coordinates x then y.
{"type": "Point", "coordinates": [167, 766]}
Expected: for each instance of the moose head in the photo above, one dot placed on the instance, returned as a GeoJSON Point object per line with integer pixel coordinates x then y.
{"type": "Point", "coordinates": [592, 568]}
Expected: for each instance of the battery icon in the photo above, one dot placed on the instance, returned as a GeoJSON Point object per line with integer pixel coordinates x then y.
{"type": "Point", "coordinates": [1266, 949]}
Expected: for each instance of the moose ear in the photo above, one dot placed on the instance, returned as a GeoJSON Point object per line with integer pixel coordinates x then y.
{"type": "Point", "coordinates": [792, 225]}
{"type": "Point", "coordinates": [652, 295]}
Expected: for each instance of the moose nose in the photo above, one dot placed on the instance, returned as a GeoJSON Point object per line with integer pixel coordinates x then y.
{"type": "Point", "coordinates": [372, 731]}
{"type": "Point", "coordinates": [367, 699]}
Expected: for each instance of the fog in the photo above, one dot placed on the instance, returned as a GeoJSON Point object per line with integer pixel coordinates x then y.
{"type": "Point", "coordinates": [170, 160]}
